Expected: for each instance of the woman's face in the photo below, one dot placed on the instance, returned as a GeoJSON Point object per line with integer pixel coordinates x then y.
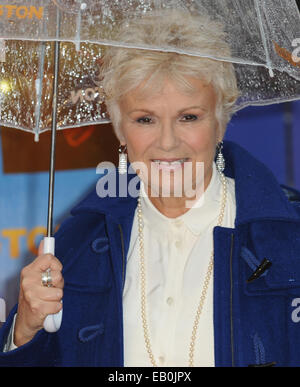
{"type": "Point", "coordinates": [165, 131]}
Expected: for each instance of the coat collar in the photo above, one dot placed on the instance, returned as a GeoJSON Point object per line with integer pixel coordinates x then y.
{"type": "Point", "coordinates": [258, 194]}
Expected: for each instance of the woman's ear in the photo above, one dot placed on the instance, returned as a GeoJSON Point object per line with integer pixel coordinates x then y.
{"type": "Point", "coordinates": [220, 133]}
{"type": "Point", "coordinates": [119, 135]}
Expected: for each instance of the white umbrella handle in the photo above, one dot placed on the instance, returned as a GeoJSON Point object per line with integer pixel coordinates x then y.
{"type": "Point", "coordinates": [53, 321]}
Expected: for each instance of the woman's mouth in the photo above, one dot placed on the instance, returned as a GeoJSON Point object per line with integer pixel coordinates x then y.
{"type": "Point", "coordinates": [169, 164]}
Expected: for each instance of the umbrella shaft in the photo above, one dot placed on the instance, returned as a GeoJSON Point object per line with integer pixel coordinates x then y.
{"type": "Point", "coordinates": [53, 141]}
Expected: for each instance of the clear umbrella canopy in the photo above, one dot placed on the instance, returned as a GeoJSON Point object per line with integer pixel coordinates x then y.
{"type": "Point", "coordinates": [26, 86]}
{"type": "Point", "coordinates": [263, 35]}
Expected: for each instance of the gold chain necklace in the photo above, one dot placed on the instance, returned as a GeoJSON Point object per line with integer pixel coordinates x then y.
{"type": "Point", "coordinates": [204, 289]}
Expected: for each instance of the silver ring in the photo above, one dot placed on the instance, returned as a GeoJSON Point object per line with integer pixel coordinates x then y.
{"type": "Point", "coordinates": [46, 278]}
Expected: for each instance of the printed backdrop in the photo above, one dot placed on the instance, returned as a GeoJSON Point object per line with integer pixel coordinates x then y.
{"type": "Point", "coordinates": [271, 133]}
{"type": "Point", "coordinates": [24, 184]}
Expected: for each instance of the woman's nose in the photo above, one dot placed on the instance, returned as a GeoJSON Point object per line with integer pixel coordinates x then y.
{"type": "Point", "coordinates": [168, 138]}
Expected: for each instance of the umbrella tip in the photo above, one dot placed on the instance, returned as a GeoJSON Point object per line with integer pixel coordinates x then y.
{"type": "Point", "coordinates": [36, 137]}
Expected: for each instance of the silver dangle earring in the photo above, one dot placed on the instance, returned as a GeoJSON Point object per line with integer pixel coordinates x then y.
{"type": "Point", "coordinates": [220, 162]}
{"type": "Point", "coordinates": [122, 159]}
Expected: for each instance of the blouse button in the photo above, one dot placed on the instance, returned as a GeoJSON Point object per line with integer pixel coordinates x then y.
{"type": "Point", "coordinates": [161, 359]}
{"type": "Point", "coordinates": [170, 301]}
{"type": "Point", "coordinates": [178, 243]}
{"type": "Point", "coordinates": [178, 223]}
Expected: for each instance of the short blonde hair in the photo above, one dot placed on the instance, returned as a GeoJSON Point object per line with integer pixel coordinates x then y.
{"type": "Point", "coordinates": [124, 69]}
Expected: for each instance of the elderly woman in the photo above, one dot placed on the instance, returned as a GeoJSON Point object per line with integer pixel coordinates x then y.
{"type": "Point", "coordinates": [202, 268]}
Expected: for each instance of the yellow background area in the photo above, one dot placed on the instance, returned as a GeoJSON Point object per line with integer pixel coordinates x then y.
{"type": "Point", "coordinates": [21, 12]}
{"type": "Point", "coordinates": [13, 236]}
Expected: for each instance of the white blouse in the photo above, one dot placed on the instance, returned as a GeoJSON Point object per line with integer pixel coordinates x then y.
{"type": "Point", "coordinates": [177, 253]}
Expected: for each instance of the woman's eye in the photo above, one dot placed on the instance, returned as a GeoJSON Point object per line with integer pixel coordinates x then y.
{"type": "Point", "coordinates": [189, 117]}
{"type": "Point", "coordinates": [144, 120]}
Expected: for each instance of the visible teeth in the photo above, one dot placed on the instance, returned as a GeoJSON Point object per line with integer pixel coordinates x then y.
{"type": "Point", "coordinates": [170, 163]}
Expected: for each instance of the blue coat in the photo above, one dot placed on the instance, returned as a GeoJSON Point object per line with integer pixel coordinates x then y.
{"type": "Point", "coordinates": [256, 323]}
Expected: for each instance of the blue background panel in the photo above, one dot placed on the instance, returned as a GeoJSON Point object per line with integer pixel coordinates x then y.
{"type": "Point", "coordinates": [269, 135]}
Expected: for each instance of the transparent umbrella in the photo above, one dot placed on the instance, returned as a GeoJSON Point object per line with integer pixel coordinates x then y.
{"type": "Point", "coordinates": [51, 48]}
{"type": "Point", "coordinates": [263, 35]}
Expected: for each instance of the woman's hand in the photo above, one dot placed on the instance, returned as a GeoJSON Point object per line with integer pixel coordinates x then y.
{"type": "Point", "coordinates": [35, 300]}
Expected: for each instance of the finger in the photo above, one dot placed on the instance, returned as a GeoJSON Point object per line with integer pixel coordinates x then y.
{"type": "Point", "coordinates": [46, 261]}
{"type": "Point", "coordinates": [57, 280]}
{"type": "Point", "coordinates": [41, 309]}
{"type": "Point", "coordinates": [51, 294]}
{"type": "Point", "coordinates": [52, 307]}
{"type": "Point", "coordinates": [35, 279]}
{"type": "Point", "coordinates": [41, 248]}
{"type": "Point", "coordinates": [37, 295]}
{"type": "Point", "coordinates": [33, 288]}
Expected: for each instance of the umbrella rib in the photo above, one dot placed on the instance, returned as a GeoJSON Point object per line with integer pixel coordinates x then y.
{"type": "Point", "coordinates": [38, 87]}
{"type": "Point", "coordinates": [146, 48]}
{"type": "Point", "coordinates": [263, 37]}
